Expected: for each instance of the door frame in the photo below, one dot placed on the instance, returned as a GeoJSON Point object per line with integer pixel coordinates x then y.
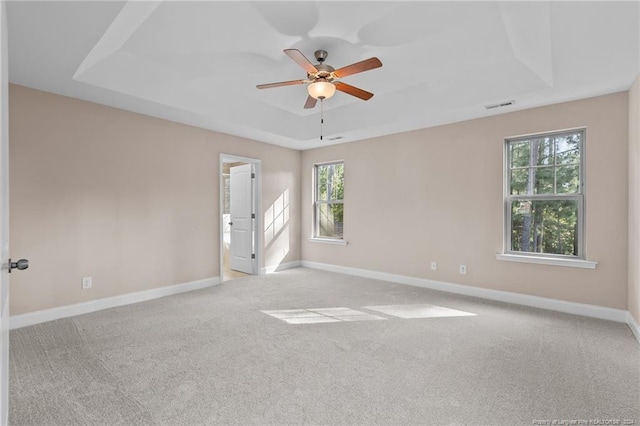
{"type": "Point", "coordinates": [4, 218]}
{"type": "Point", "coordinates": [257, 202]}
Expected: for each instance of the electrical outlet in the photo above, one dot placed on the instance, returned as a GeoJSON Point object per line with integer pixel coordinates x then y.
{"type": "Point", "coordinates": [434, 266]}
{"type": "Point", "coordinates": [87, 282]}
{"type": "Point", "coordinates": [463, 269]}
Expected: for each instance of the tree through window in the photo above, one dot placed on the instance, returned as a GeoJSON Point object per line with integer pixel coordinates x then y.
{"type": "Point", "coordinates": [545, 200]}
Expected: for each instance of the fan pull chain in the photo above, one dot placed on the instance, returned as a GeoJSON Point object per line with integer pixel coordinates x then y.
{"type": "Point", "coordinates": [321, 116]}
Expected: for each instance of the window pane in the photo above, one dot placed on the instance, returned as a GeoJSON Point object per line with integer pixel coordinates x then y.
{"type": "Point", "coordinates": [544, 226]}
{"type": "Point", "coordinates": [321, 178]}
{"type": "Point", "coordinates": [330, 220]}
{"type": "Point", "coordinates": [519, 181]}
{"type": "Point", "coordinates": [543, 179]}
{"type": "Point", "coordinates": [568, 149]}
{"type": "Point", "coordinates": [519, 154]}
{"type": "Point", "coordinates": [330, 182]}
{"type": "Point", "coordinates": [568, 179]}
{"type": "Point", "coordinates": [337, 182]}
{"type": "Point", "coordinates": [542, 151]}
{"type": "Point", "coordinates": [542, 176]}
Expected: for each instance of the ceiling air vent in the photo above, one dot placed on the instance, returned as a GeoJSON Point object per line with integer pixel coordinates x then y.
{"type": "Point", "coordinates": [335, 138]}
{"type": "Point", "coordinates": [500, 105]}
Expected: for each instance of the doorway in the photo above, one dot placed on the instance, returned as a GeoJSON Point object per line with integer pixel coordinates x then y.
{"type": "Point", "coordinates": [240, 248]}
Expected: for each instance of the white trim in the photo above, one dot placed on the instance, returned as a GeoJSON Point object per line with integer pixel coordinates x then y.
{"type": "Point", "coordinates": [573, 263]}
{"type": "Point", "coordinates": [328, 241]}
{"type": "Point", "coordinates": [633, 325]}
{"type": "Point", "coordinates": [232, 158]}
{"type": "Point", "coordinates": [4, 213]}
{"type": "Point", "coordinates": [593, 311]}
{"type": "Point", "coordinates": [281, 267]}
{"type": "Point", "coordinates": [31, 318]}
{"type": "Point", "coordinates": [326, 163]}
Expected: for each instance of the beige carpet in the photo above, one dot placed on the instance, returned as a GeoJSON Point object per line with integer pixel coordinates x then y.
{"type": "Point", "coordinates": [212, 357]}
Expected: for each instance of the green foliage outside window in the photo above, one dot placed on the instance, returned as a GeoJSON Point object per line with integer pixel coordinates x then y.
{"type": "Point", "coordinates": [545, 194]}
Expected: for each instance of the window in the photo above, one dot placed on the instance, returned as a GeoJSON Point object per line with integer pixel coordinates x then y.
{"type": "Point", "coordinates": [328, 200]}
{"type": "Point", "coordinates": [544, 203]}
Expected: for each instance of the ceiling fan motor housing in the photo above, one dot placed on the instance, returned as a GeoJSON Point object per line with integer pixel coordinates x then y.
{"type": "Point", "coordinates": [324, 71]}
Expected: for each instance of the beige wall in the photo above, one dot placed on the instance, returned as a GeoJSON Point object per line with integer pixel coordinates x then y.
{"type": "Point", "coordinates": [133, 201]}
{"type": "Point", "coordinates": [634, 200]}
{"type": "Point", "coordinates": [436, 194]}
{"type": "Point", "coordinates": [127, 199]}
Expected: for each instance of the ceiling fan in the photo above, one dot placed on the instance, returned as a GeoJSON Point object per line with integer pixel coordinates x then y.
{"type": "Point", "coordinates": [322, 77]}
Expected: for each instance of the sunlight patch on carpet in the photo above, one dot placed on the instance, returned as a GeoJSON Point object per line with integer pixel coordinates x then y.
{"type": "Point", "coordinates": [322, 315]}
{"type": "Point", "coordinates": [418, 311]}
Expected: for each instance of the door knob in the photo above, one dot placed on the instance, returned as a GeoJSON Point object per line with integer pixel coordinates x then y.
{"type": "Point", "coordinates": [19, 265]}
{"type": "Point", "coordinates": [230, 223]}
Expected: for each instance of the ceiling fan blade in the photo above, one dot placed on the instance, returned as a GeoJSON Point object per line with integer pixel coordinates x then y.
{"type": "Point", "coordinates": [366, 65]}
{"type": "Point", "coordinates": [301, 60]}
{"type": "Point", "coordinates": [353, 91]}
{"type": "Point", "coordinates": [282, 83]}
{"type": "Point", "coordinates": [311, 102]}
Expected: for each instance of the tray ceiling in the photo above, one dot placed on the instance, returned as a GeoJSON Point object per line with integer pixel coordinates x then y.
{"type": "Point", "coordinates": [199, 62]}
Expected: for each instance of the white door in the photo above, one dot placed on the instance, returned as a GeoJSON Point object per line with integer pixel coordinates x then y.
{"type": "Point", "coordinates": [241, 222]}
{"type": "Point", "coordinates": [4, 221]}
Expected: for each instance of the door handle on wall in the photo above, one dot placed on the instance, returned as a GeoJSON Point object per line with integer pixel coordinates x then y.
{"type": "Point", "coordinates": [19, 265]}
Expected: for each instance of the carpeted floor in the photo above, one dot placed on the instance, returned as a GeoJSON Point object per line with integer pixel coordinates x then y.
{"type": "Point", "coordinates": [212, 357]}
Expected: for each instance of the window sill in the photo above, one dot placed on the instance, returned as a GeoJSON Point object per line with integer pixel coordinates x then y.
{"type": "Point", "coordinates": [572, 263]}
{"type": "Point", "coordinates": [328, 241]}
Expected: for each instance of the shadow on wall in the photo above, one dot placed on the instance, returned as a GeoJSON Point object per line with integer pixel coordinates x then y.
{"type": "Point", "coordinates": [276, 230]}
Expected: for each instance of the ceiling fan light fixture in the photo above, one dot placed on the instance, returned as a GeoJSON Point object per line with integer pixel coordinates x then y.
{"type": "Point", "coordinates": [321, 90]}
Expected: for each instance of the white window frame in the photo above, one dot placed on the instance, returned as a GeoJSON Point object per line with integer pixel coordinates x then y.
{"type": "Point", "coordinates": [578, 260]}
{"type": "Point", "coordinates": [316, 204]}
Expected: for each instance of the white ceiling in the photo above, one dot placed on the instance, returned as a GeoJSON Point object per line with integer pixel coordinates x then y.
{"type": "Point", "coordinates": [199, 62]}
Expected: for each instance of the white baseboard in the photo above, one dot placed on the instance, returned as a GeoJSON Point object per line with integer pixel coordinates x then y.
{"type": "Point", "coordinates": [633, 325]}
{"type": "Point", "coordinates": [31, 318]}
{"type": "Point", "coordinates": [281, 267]}
{"type": "Point", "coordinates": [593, 311]}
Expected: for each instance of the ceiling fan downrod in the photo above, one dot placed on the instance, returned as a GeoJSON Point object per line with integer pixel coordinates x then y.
{"type": "Point", "coordinates": [321, 116]}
